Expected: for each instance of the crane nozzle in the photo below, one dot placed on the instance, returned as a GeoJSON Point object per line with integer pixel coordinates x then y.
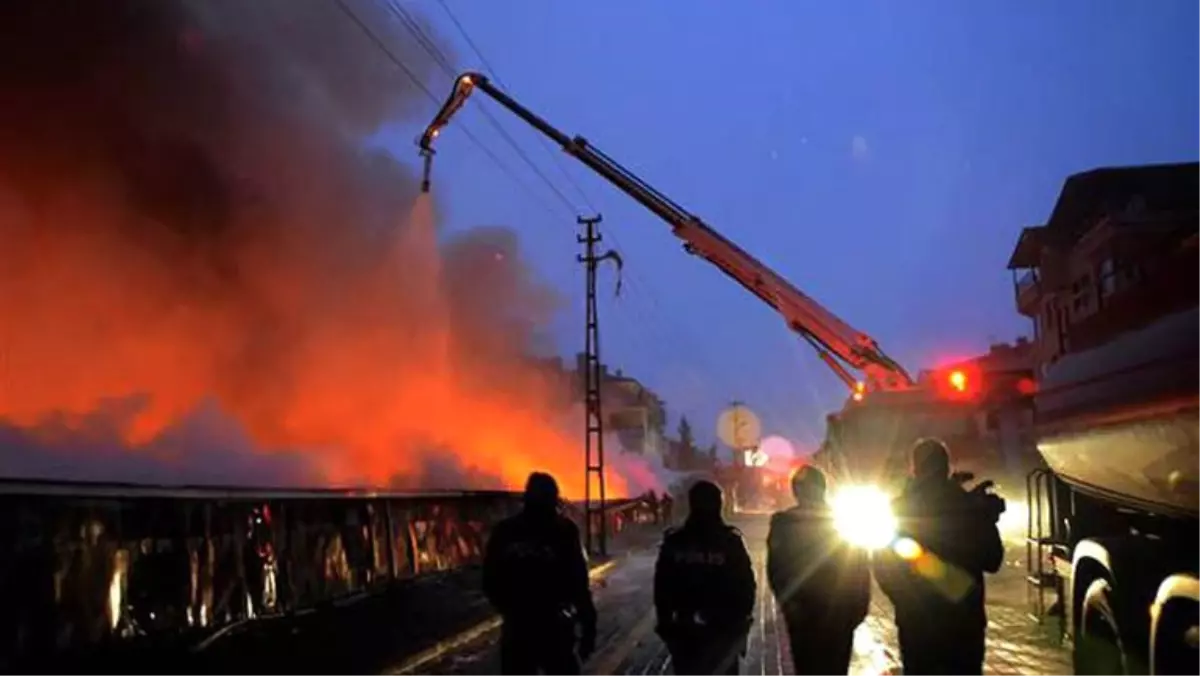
{"type": "Point", "coordinates": [427, 156]}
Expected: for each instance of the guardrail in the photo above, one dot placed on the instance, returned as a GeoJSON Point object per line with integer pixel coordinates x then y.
{"type": "Point", "coordinates": [84, 564]}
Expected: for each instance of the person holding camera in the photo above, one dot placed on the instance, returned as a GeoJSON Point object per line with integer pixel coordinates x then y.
{"type": "Point", "coordinates": [948, 538]}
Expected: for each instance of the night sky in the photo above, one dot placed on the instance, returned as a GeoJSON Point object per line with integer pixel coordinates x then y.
{"type": "Point", "coordinates": [881, 155]}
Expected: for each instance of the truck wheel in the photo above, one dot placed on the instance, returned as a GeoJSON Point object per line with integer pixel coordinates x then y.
{"type": "Point", "coordinates": [1098, 646]}
{"type": "Point", "coordinates": [1176, 638]}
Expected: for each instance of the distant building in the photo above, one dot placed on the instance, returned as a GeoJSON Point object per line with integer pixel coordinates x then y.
{"type": "Point", "coordinates": [560, 382]}
{"type": "Point", "coordinates": [1119, 250]}
{"type": "Point", "coordinates": [633, 412]}
{"type": "Point", "coordinates": [675, 455]}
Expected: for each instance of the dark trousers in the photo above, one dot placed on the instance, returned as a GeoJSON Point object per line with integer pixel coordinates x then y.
{"type": "Point", "coordinates": [706, 655]}
{"type": "Point", "coordinates": [538, 648]}
{"type": "Point", "coordinates": [930, 648]}
{"type": "Point", "coordinates": [819, 648]}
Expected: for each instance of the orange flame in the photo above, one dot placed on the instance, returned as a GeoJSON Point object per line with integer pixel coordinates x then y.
{"type": "Point", "coordinates": [373, 396]}
{"type": "Point", "coordinates": [210, 229]}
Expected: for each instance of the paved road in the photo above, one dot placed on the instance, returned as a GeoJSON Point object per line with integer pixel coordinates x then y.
{"type": "Point", "coordinates": [628, 645]}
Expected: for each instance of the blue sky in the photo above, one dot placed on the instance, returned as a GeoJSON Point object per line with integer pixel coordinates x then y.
{"type": "Point", "coordinates": [881, 155]}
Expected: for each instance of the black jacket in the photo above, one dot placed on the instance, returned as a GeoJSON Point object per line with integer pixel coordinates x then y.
{"type": "Point", "coordinates": [960, 541]}
{"type": "Point", "coordinates": [814, 574]}
{"type": "Point", "coordinates": [704, 577]}
{"type": "Point", "coordinates": [535, 570]}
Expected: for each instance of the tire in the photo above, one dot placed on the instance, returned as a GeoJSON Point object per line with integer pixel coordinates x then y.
{"type": "Point", "coordinates": [1098, 645]}
{"type": "Point", "coordinates": [1175, 639]}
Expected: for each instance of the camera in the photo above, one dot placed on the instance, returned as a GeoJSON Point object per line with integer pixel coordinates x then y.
{"type": "Point", "coordinates": [991, 504]}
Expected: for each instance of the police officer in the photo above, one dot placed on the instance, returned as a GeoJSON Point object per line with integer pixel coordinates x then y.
{"type": "Point", "coordinates": [704, 588]}
{"type": "Point", "coordinates": [936, 581]}
{"type": "Point", "coordinates": [536, 576]}
{"type": "Point", "coordinates": [822, 584]}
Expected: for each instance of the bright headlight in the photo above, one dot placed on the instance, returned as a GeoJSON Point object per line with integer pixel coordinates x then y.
{"type": "Point", "coordinates": [863, 516]}
{"type": "Point", "coordinates": [1015, 517]}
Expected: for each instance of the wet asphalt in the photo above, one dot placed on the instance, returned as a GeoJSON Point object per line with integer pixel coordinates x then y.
{"type": "Point", "coordinates": [1017, 644]}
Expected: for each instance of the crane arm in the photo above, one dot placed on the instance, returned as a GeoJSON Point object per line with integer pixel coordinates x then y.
{"type": "Point", "coordinates": [827, 333]}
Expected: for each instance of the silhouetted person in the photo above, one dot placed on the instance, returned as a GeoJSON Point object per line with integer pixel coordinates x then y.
{"type": "Point", "coordinates": [936, 584]}
{"type": "Point", "coordinates": [822, 584]}
{"type": "Point", "coordinates": [704, 588]}
{"type": "Point", "coordinates": [536, 576]}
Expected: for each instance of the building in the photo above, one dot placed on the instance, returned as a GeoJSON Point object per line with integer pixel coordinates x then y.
{"type": "Point", "coordinates": [634, 413]}
{"type": "Point", "coordinates": [1119, 250]}
{"type": "Point", "coordinates": [561, 383]}
{"type": "Point", "coordinates": [675, 455]}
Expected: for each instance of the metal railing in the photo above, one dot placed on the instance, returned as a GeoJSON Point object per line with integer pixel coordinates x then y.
{"type": "Point", "coordinates": [1042, 548]}
{"type": "Point", "coordinates": [155, 563]}
{"type": "Point", "coordinates": [1026, 282]}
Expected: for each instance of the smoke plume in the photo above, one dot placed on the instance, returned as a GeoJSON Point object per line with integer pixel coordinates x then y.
{"type": "Point", "coordinates": [191, 230]}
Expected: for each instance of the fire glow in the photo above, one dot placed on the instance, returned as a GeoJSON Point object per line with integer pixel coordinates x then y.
{"type": "Point", "coordinates": [195, 221]}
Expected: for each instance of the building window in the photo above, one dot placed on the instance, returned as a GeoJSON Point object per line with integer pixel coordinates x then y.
{"type": "Point", "coordinates": [1108, 277]}
{"type": "Point", "coordinates": [1064, 338]}
{"type": "Point", "coordinates": [1081, 292]}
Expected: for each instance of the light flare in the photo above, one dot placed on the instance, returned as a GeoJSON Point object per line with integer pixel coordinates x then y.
{"type": "Point", "coordinates": [863, 516]}
{"type": "Point", "coordinates": [907, 549]}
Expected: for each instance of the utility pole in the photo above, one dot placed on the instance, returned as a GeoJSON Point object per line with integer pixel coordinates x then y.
{"type": "Point", "coordinates": [593, 443]}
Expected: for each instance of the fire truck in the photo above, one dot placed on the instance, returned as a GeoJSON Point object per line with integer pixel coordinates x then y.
{"type": "Point", "coordinates": [755, 490]}
{"type": "Point", "coordinates": [886, 411]}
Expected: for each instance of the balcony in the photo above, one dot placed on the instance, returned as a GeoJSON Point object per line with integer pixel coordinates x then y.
{"type": "Point", "coordinates": [1027, 289]}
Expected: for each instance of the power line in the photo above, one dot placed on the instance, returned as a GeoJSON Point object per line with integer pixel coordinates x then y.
{"type": "Point", "coordinates": [391, 56]}
{"type": "Point", "coordinates": [483, 60]}
{"type": "Point", "coordinates": [411, 25]}
{"type": "Point", "coordinates": [383, 48]}
{"type": "Point", "coordinates": [439, 58]}
{"type": "Point", "coordinates": [422, 38]}
{"type": "Point", "coordinates": [556, 157]}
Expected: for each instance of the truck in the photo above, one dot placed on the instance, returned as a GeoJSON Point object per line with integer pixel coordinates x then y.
{"type": "Point", "coordinates": [1112, 524]}
{"type": "Point", "coordinates": [886, 410]}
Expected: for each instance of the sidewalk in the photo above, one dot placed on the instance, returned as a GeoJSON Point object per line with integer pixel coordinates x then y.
{"type": "Point", "coordinates": [627, 644]}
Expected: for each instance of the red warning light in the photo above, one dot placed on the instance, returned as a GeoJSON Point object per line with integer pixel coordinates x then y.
{"type": "Point", "coordinates": [961, 382]}
{"type": "Point", "coordinates": [958, 380]}
{"type": "Point", "coordinates": [1027, 386]}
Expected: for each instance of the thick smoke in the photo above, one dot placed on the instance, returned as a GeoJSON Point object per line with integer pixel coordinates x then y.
{"type": "Point", "coordinates": [191, 229]}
